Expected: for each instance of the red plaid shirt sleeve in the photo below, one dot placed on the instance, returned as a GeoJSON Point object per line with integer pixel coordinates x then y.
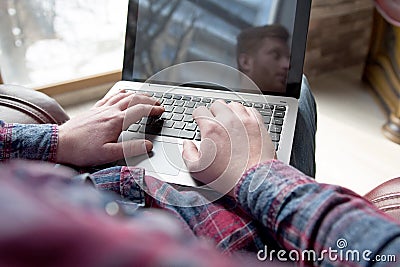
{"type": "Point", "coordinates": [28, 141]}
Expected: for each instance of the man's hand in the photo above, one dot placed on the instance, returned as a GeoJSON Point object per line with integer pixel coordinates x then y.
{"type": "Point", "coordinates": [233, 140]}
{"type": "Point", "coordinates": [91, 138]}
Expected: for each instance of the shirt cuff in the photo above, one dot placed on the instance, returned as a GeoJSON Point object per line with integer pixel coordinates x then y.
{"type": "Point", "coordinates": [28, 141]}
{"type": "Point", "coordinates": [125, 181]}
{"type": "Point", "coordinates": [273, 178]}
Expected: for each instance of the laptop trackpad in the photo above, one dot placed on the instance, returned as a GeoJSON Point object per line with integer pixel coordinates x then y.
{"type": "Point", "coordinates": [165, 158]}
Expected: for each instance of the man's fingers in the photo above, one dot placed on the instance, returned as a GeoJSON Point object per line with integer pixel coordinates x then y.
{"type": "Point", "coordinates": [118, 98]}
{"type": "Point", "coordinates": [202, 112]}
{"type": "Point", "coordinates": [135, 100]}
{"type": "Point", "coordinates": [135, 113]}
{"type": "Point", "coordinates": [254, 114]}
{"type": "Point", "coordinates": [198, 160]}
{"type": "Point", "coordinates": [220, 109]}
{"type": "Point", "coordinates": [136, 147]}
{"type": "Point", "coordinates": [204, 119]}
{"type": "Point", "coordinates": [156, 110]}
{"type": "Point", "coordinates": [116, 151]}
{"type": "Point", "coordinates": [107, 97]}
{"type": "Point", "coordinates": [115, 98]}
{"type": "Point", "coordinates": [128, 99]}
{"type": "Point", "coordinates": [238, 109]}
{"type": "Point", "coordinates": [267, 147]}
{"type": "Point", "coordinates": [190, 155]}
{"type": "Point", "coordinates": [125, 99]}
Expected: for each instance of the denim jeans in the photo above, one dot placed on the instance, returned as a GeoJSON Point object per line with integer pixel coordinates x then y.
{"type": "Point", "coordinates": [303, 148]}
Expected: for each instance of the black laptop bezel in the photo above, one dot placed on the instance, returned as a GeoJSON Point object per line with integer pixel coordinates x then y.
{"type": "Point", "coordinates": [298, 51]}
{"type": "Point", "coordinates": [298, 47]}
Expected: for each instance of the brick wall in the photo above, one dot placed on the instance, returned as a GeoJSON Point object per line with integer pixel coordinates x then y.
{"type": "Point", "coordinates": [338, 35]}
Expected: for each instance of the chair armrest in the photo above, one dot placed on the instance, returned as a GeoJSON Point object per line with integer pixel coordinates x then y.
{"type": "Point", "coordinates": [387, 197]}
{"type": "Point", "coordinates": [22, 105]}
{"type": "Point", "coordinates": [390, 10]}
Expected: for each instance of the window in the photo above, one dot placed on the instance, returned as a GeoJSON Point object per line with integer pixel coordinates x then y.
{"type": "Point", "coordinates": [45, 42]}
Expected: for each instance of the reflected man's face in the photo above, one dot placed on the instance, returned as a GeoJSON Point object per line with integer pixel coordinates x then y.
{"type": "Point", "coordinates": [268, 66]}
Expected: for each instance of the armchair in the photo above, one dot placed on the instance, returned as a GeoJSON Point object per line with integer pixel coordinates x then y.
{"type": "Point", "coordinates": [22, 105]}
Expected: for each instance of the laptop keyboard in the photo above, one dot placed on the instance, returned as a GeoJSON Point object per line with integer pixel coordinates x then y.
{"type": "Point", "coordinates": [177, 120]}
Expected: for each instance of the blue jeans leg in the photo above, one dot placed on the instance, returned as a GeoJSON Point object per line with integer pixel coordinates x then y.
{"type": "Point", "coordinates": [303, 149]}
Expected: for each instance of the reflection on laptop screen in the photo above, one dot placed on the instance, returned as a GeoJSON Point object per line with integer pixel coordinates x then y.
{"type": "Point", "coordinates": [254, 36]}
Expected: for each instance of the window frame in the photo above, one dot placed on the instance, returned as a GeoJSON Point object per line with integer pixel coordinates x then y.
{"type": "Point", "coordinates": [80, 83]}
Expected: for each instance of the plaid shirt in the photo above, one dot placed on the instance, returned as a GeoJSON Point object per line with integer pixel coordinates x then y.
{"type": "Point", "coordinates": [277, 215]}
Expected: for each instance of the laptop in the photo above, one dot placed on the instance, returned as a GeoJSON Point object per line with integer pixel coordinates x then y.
{"type": "Point", "coordinates": [185, 53]}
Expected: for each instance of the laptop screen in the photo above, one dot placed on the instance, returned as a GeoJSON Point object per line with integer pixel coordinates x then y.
{"type": "Point", "coordinates": [264, 39]}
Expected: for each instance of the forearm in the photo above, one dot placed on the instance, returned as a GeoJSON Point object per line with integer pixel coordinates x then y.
{"type": "Point", "coordinates": [304, 215]}
{"type": "Point", "coordinates": [28, 141]}
{"type": "Point", "coordinates": [48, 220]}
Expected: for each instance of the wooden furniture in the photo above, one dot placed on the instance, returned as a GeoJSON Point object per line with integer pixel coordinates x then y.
{"type": "Point", "coordinates": [382, 69]}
